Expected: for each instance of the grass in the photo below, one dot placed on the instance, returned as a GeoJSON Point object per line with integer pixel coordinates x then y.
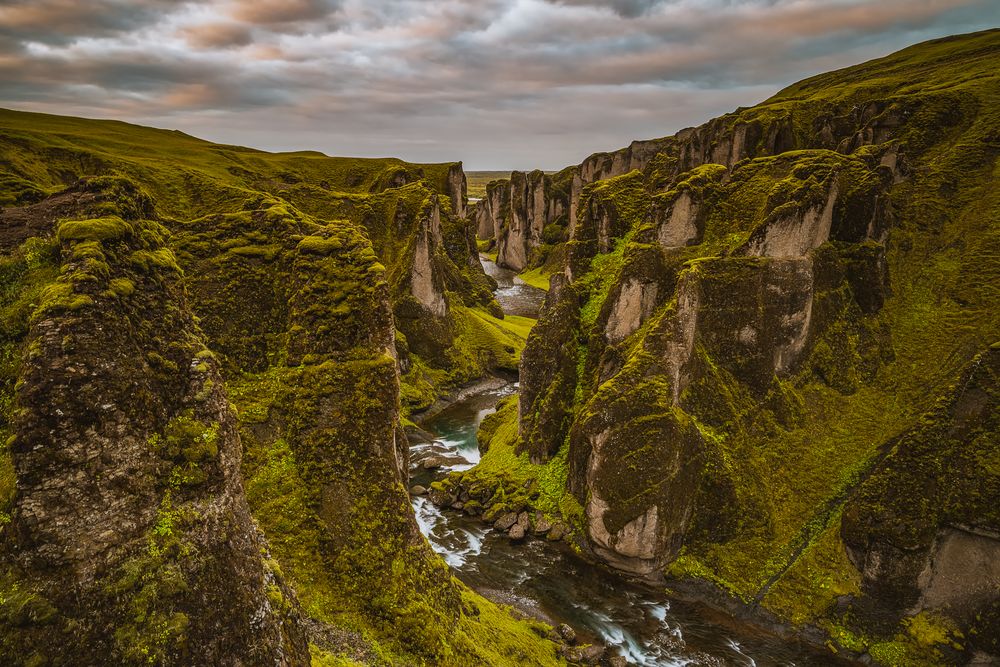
{"type": "Point", "coordinates": [187, 176]}
{"type": "Point", "coordinates": [483, 340]}
{"type": "Point", "coordinates": [477, 181]}
{"type": "Point", "coordinates": [502, 467]}
{"type": "Point", "coordinates": [538, 277]}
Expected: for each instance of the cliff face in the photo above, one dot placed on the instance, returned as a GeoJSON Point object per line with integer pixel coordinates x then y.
{"type": "Point", "coordinates": [204, 459]}
{"type": "Point", "coordinates": [130, 538]}
{"type": "Point", "coordinates": [515, 216]}
{"type": "Point", "coordinates": [522, 216]}
{"type": "Point", "coordinates": [923, 528]}
{"type": "Point", "coordinates": [320, 409]}
{"type": "Point", "coordinates": [765, 302]}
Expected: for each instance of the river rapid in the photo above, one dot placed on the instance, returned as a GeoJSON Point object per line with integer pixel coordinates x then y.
{"type": "Point", "coordinates": [547, 580]}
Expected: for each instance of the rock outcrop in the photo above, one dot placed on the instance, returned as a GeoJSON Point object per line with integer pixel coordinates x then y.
{"type": "Point", "coordinates": [457, 190]}
{"type": "Point", "coordinates": [522, 215]}
{"type": "Point", "coordinates": [130, 537]}
{"type": "Point", "coordinates": [548, 372]}
{"type": "Point", "coordinates": [923, 528]}
{"type": "Point", "coordinates": [426, 286]}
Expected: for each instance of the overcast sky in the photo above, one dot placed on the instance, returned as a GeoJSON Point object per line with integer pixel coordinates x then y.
{"type": "Point", "coordinates": [499, 84]}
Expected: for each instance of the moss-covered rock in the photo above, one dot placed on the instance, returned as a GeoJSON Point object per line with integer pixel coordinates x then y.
{"type": "Point", "coordinates": [130, 538]}
{"type": "Point", "coordinates": [548, 373]}
{"type": "Point", "coordinates": [922, 526]}
{"type": "Point", "coordinates": [133, 306]}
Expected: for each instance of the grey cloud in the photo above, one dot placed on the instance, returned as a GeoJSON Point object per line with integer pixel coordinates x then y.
{"type": "Point", "coordinates": [629, 8]}
{"type": "Point", "coordinates": [217, 35]}
{"type": "Point", "coordinates": [278, 13]}
{"type": "Point", "coordinates": [495, 82]}
{"type": "Point", "coordinates": [62, 21]}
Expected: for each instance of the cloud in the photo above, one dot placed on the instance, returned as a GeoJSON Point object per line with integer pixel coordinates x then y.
{"type": "Point", "coordinates": [279, 12]}
{"type": "Point", "coordinates": [216, 35]}
{"type": "Point", "coordinates": [629, 8]}
{"type": "Point", "coordinates": [495, 82]}
{"type": "Point", "coordinates": [59, 21]}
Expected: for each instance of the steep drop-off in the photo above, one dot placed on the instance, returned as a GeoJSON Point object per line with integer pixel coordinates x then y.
{"type": "Point", "coordinates": [202, 402]}
{"type": "Point", "coordinates": [771, 371]}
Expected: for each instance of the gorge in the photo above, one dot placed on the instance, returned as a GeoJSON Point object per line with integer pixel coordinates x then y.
{"type": "Point", "coordinates": [724, 397]}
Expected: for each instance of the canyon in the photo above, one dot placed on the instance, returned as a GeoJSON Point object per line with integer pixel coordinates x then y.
{"type": "Point", "coordinates": [762, 379]}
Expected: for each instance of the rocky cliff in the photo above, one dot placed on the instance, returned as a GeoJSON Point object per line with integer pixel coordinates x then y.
{"type": "Point", "coordinates": [770, 357]}
{"type": "Point", "coordinates": [203, 347]}
{"type": "Point", "coordinates": [129, 537]}
{"type": "Point", "coordinates": [522, 217]}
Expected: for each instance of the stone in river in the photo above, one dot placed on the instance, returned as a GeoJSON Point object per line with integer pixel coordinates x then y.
{"type": "Point", "coordinates": [505, 522]}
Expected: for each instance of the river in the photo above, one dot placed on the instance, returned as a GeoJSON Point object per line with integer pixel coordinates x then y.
{"type": "Point", "coordinates": [549, 581]}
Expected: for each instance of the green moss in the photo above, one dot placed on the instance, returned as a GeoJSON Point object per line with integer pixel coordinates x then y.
{"type": "Point", "coordinates": [536, 278]}
{"type": "Point", "coordinates": [150, 583]}
{"type": "Point", "coordinates": [483, 342]}
{"type": "Point", "coordinates": [321, 658]}
{"type": "Point", "coordinates": [150, 261]}
{"type": "Point", "coordinates": [111, 228]}
{"type": "Point", "coordinates": [489, 635]}
{"type": "Point", "coordinates": [538, 486]}
{"type": "Point", "coordinates": [122, 287]}
{"type": "Point", "coordinates": [187, 439]}
{"type": "Point", "coordinates": [61, 297]}
{"type": "Point", "coordinates": [25, 274]}
{"type": "Point", "coordinates": [318, 245]}
{"type": "Point", "coordinates": [599, 280]}
{"type": "Point", "coordinates": [815, 580]}
{"type": "Point", "coordinates": [282, 506]}
{"type": "Point", "coordinates": [265, 252]}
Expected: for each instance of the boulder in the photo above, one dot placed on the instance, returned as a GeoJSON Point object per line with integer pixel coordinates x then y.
{"type": "Point", "coordinates": [440, 498]}
{"type": "Point", "coordinates": [505, 522]}
{"type": "Point", "coordinates": [542, 525]}
{"type": "Point", "coordinates": [556, 533]}
{"type": "Point", "coordinates": [438, 461]}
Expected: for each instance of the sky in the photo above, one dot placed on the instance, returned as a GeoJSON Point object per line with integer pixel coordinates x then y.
{"type": "Point", "coordinates": [499, 84]}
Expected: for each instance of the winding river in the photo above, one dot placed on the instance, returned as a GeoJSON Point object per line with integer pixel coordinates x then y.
{"type": "Point", "coordinates": [550, 582]}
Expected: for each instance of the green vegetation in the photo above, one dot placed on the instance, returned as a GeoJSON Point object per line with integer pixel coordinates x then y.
{"type": "Point", "coordinates": [477, 181]}
{"type": "Point", "coordinates": [516, 481]}
{"type": "Point", "coordinates": [806, 383]}
{"type": "Point", "coordinates": [536, 277]}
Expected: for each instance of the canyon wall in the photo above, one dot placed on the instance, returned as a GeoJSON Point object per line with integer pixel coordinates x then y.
{"type": "Point", "coordinates": [770, 355]}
